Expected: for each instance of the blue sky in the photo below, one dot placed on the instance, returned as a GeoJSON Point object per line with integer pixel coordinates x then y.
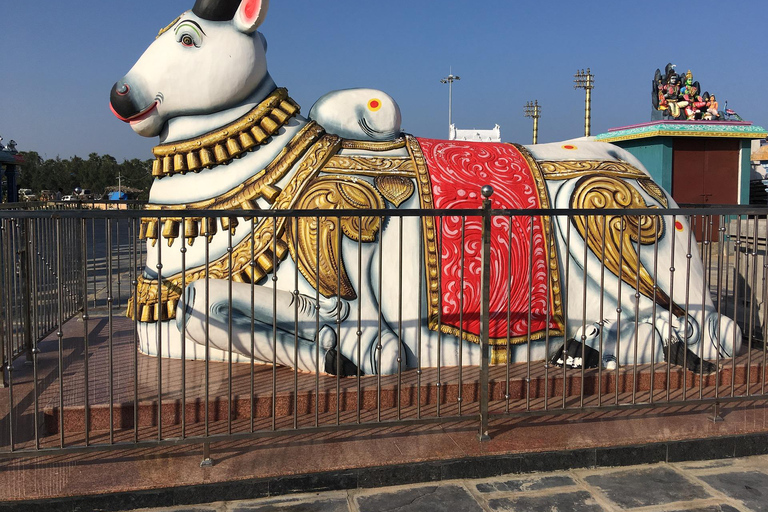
{"type": "Point", "coordinates": [60, 59]}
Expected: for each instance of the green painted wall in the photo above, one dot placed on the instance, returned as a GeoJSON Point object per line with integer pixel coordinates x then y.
{"type": "Point", "coordinates": [655, 153]}
{"type": "Point", "coordinates": [745, 170]}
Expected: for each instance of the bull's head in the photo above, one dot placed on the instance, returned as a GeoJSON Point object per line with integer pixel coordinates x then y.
{"type": "Point", "coordinates": [211, 58]}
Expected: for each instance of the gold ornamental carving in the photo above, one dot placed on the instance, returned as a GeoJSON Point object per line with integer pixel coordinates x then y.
{"type": "Point", "coordinates": [395, 189]}
{"type": "Point", "coordinates": [364, 145]}
{"type": "Point", "coordinates": [564, 170]}
{"type": "Point", "coordinates": [221, 146]}
{"type": "Point", "coordinates": [371, 166]}
{"type": "Point", "coordinates": [315, 242]}
{"type": "Point", "coordinates": [614, 237]}
{"type": "Point", "coordinates": [242, 197]}
{"type": "Point", "coordinates": [654, 191]}
{"type": "Point", "coordinates": [252, 259]}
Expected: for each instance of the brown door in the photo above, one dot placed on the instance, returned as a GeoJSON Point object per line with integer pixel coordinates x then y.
{"type": "Point", "coordinates": [705, 171]}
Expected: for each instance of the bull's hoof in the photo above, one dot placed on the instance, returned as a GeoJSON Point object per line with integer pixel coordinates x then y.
{"type": "Point", "coordinates": [576, 355]}
{"type": "Point", "coordinates": [680, 354]}
{"type": "Point", "coordinates": [333, 361]}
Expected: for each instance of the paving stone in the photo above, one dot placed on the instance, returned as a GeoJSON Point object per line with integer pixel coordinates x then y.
{"type": "Point", "coordinates": [749, 487]}
{"type": "Point", "coordinates": [321, 505]}
{"type": "Point", "coordinates": [444, 498]}
{"type": "Point", "coordinates": [580, 501]}
{"type": "Point", "coordinates": [530, 484]}
{"type": "Point", "coordinates": [646, 487]}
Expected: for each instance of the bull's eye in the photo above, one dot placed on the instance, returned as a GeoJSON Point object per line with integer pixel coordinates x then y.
{"type": "Point", "coordinates": [189, 34]}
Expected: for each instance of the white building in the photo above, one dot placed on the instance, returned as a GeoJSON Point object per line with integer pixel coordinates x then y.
{"type": "Point", "coordinates": [475, 135]}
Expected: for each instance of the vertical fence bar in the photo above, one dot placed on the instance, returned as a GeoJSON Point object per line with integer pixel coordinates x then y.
{"type": "Point", "coordinates": [4, 304]}
{"type": "Point", "coordinates": [86, 348]}
{"type": "Point", "coordinates": [485, 302]}
{"type": "Point", "coordinates": [110, 335]}
{"type": "Point", "coordinates": [60, 332]}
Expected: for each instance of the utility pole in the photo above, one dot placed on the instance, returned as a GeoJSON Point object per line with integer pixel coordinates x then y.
{"type": "Point", "coordinates": [533, 110]}
{"type": "Point", "coordinates": [586, 81]}
{"type": "Point", "coordinates": [449, 80]}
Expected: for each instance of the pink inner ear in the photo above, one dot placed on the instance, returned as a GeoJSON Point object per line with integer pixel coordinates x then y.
{"type": "Point", "coordinates": [251, 9]}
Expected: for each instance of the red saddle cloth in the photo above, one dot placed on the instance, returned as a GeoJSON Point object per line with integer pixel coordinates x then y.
{"type": "Point", "coordinates": [523, 291]}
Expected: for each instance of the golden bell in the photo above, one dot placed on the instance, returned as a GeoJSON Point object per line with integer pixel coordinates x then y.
{"type": "Point", "coordinates": [157, 168]}
{"type": "Point", "coordinates": [193, 162]}
{"type": "Point", "coordinates": [289, 107]}
{"type": "Point", "coordinates": [151, 232]}
{"type": "Point", "coordinates": [171, 229]}
{"type": "Point", "coordinates": [167, 165]}
{"type": "Point", "coordinates": [259, 134]}
{"type": "Point", "coordinates": [206, 158]}
{"type": "Point", "coordinates": [255, 273]}
{"type": "Point", "coordinates": [269, 126]}
{"type": "Point", "coordinates": [209, 225]}
{"type": "Point", "coordinates": [220, 152]}
{"type": "Point", "coordinates": [246, 141]}
{"type": "Point", "coordinates": [280, 116]}
{"type": "Point", "coordinates": [233, 147]}
{"type": "Point", "coordinates": [265, 261]}
{"type": "Point", "coordinates": [180, 163]}
{"type": "Point", "coordinates": [191, 228]}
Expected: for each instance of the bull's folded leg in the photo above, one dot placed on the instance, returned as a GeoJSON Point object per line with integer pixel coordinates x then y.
{"type": "Point", "coordinates": [276, 326]}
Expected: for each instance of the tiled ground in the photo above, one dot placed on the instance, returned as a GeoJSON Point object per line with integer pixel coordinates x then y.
{"type": "Point", "coordinates": [715, 486]}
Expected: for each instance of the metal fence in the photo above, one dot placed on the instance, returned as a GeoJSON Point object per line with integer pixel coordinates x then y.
{"type": "Point", "coordinates": [78, 377]}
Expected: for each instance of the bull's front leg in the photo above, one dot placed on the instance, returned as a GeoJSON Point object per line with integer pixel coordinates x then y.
{"type": "Point", "coordinates": [275, 326]}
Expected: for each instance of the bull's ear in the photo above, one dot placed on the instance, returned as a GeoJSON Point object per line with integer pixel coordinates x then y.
{"type": "Point", "coordinates": [251, 14]}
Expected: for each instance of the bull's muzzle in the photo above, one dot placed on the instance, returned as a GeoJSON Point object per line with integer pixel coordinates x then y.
{"type": "Point", "coordinates": [124, 104]}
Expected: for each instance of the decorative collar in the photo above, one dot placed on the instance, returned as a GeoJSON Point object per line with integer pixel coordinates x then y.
{"type": "Point", "coordinates": [221, 146]}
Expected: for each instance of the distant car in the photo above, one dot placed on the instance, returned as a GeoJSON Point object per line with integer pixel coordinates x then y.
{"type": "Point", "coordinates": [70, 198]}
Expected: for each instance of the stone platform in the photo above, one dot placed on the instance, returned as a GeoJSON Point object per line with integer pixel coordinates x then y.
{"type": "Point", "coordinates": [532, 438]}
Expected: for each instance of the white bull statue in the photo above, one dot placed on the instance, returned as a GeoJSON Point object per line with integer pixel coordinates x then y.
{"type": "Point", "coordinates": [347, 294]}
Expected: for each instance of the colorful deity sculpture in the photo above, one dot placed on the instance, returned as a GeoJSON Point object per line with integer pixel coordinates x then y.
{"type": "Point", "coordinates": [672, 99]}
{"type": "Point", "coordinates": [376, 295]}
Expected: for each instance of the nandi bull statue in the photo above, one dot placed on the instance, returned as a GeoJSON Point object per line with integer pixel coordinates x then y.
{"type": "Point", "coordinates": [380, 295]}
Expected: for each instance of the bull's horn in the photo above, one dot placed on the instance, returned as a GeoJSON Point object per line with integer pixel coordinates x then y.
{"type": "Point", "coordinates": [216, 10]}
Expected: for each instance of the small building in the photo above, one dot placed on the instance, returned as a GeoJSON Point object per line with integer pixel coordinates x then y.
{"type": "Point", "coordinates": [473, 135]}
{"type": "Point", "coordinates": [10, 160]}
{"type": "Point", "coordinates": [697, 162]}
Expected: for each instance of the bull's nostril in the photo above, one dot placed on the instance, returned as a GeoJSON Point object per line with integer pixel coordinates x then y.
{"type": "Point", "coordinates": [123, 89]}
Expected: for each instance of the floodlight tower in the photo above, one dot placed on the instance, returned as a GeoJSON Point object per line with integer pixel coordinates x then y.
{"type": "Point", "coordinates": [449, 80]}
{"type": "Point", "coordinates": [586, 81]}
{"type": "Point", "coordinates": [533, 110]}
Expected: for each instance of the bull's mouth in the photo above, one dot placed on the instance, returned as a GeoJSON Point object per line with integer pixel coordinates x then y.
{"type": "Point", "coordinates": [138, 117]}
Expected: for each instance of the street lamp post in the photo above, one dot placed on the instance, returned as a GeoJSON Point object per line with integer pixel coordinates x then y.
{"type": "Point", "coordinates": [586, 81]}
{"type": "Point", "coordinates": [533, 110]}
{"type": "Point", "coordinates": [449, 80]}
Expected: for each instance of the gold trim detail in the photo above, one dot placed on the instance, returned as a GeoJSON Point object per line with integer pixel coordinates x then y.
{"type": "Point", "coordinates": [564, 170]}
{"type": "Point", "coordinates": [395, 189]}
{"type": "Point", "coordinates": [654, 191]}
{"type": "Point", "coordinates": [613, 237]}
{"type": "Point", "coordinates": [371, 166]}
{"type": "Point", "coordinates": [221, 146]}
{"type": "Point", "coordinates": [169, 26]}
{"type": "Point", "coordinates": [315, 242]}
{"type": "Point", "coordinates": [365, 145]}
{"type": "Point", "coordinates": [252, 259]}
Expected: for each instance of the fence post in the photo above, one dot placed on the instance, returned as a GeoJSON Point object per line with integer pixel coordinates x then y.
{"type": "Point", "coordinates": [24, 267]}
{"type": "Point", "coordinates": [485, 299]}
{"type": "Point", "coordinates": [3, 304]}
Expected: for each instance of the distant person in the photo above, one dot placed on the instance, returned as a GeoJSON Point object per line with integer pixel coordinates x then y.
{"type": "Point", "coordinates": [58, 195]}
